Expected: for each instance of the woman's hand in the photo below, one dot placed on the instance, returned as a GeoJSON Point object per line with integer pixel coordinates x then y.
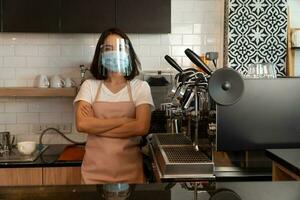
{"type": "Point", "coordinates": [87, 110]}
{"type": "Point", "coordinates": [128, 120]}
{"type": "Point", "coordinates": [86, 122]}
{"type": "Point", "coordinates": [134, 127]}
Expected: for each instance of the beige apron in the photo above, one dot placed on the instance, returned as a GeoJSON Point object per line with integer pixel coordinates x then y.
{"type": "Point", "coordinates": [111, 160]}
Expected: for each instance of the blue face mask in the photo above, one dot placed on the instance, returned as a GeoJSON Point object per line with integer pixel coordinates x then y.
{"type": "Point", "coordinates": [116, 61]}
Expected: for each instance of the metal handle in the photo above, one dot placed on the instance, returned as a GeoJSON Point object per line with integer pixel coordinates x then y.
{"type": "Point", "coordinates": [176, 126]}
{"type": "Point", "coordinates": [187, 104]}
{"type": "Point", "coordinates": [173, 63]}
{"type": "Point", "coordinates": [197, 61]}
{"type": "Point", "coordinates": [196, 143]}
{"type": "Point", "coordinates": [13, 140]}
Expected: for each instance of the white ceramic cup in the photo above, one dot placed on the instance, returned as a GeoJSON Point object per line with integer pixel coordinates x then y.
{"type": "Point", "coordinates": [296, 38]}
{"type": "Point", "coordinates": [26, 147]}
{"type": "Point", "coordinates": [57, 82]}
{"type": "Point", "coordinates": [69, 82]}
{"type": "Point", "coordinates": [42, 81]}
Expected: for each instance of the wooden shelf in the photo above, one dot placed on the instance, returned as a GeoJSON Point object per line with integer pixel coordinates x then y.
{"type": "Point", "coordinates": [37, 92]}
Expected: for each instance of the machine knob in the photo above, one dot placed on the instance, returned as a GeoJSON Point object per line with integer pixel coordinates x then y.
{"type": "Point", "coordinates": [226, 86]}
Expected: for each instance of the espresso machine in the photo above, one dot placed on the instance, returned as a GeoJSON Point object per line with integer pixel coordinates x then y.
{"type": "Point", "coordinates": [213, 112]}
{"type": "Point", "coordinates": [185, 152]}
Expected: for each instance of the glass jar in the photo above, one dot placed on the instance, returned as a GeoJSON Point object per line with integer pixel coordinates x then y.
{"type": "Point", "coordinates": [114, 191]}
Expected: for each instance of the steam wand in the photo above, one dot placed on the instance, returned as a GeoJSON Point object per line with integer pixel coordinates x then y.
{"type": "Point", "coordinates": [83, 70]}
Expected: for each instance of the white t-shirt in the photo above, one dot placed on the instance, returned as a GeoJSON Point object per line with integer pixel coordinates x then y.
{"type": "Point", "coordinates": [141, 93]}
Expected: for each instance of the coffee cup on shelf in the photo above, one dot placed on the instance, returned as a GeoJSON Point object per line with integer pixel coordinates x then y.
{"type": "Point", "coordinates": [296, 38]}
{"type": "Point", "coordinates": [42, 81]}
{"type": "Point", "coordinates": [69, 82]}
{"type": "Point", "coordinates": [56, 82]}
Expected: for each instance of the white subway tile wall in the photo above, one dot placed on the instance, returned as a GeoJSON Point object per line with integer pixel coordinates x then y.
{"type": "Point", "coordinates": [2, 107]}
{"type": "Point", "coordinates": [196, 24]}
{"type": "Point", "coordinates": [2, 128]}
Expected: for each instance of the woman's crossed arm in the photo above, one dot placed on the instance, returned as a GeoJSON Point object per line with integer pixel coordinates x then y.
{"type": "Point", "coordinates": [115, 127]}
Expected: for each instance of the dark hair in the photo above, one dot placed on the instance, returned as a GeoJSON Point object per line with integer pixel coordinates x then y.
{"type": "Point", "coordinates": [98, 70]}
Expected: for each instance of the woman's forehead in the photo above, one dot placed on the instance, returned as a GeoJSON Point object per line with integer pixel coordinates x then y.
{"type": "Point", "coordinates": [111, 39]}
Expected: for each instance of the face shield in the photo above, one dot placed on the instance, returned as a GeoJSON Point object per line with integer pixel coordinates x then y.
{"type": "Point", "coordinates": [115, 57]}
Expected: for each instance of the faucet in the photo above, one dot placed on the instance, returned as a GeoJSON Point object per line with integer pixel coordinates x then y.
{"type": "Point", "coordinates": [83, 70]}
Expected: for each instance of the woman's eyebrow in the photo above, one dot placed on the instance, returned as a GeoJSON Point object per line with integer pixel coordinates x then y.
{"type": "Point", "coordinates": [107, 45]}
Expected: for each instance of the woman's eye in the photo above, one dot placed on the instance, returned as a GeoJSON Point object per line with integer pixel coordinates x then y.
{"type": "Point", "coordinates": [122, 48]}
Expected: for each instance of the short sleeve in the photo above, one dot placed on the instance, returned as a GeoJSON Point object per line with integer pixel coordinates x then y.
{"type": "Point", "coordinates": [85, 92]}
{"type": "Point", "coordinates": [143, 96]}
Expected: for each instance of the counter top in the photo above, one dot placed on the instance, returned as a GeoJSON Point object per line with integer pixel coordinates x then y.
{"type": "Point", "coordinates": [165, 191]}
{"type": "Point", "coordinates": [288, 158]}
{"type": "Point", "coordinates": [48, 158]}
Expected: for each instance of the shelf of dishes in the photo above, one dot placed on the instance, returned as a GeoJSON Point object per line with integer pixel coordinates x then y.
{"type": "Point", "coordinates": [37, 92]}
{"type": "Point", "coordinates": [295, 38]}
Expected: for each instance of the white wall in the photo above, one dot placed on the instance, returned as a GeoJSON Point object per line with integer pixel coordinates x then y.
{"type": "Point", "coordinates": [196, 24]}
{"type": "Point", "coordinates": [294, 6]}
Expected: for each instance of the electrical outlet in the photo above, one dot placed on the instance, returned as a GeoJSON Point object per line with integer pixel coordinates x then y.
{"type": "Point", "coordinates": [38, 128]}
{"type": "Point", "coordinates": [56, 126]}
{"type": "Point", "coordinates": [65, 128]}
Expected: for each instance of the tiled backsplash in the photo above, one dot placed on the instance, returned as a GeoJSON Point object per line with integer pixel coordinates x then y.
{"type": "Point", "coordinates": [196, 24]}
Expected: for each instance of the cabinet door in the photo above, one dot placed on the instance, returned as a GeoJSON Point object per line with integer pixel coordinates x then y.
{"type": "Point", "coordinates": [61, 176]}
{"type": "Point", "coordinates": [144, 16]}
{"type": "Point", "coordinates": [20, 176]}
{"type": "Point", "coordinates": [81, 16]}
{"type": "Point", "coordinates": [30, 15]}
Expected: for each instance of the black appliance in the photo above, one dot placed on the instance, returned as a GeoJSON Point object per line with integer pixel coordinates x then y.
{"type": "Point", "coordinates": [267, 115]}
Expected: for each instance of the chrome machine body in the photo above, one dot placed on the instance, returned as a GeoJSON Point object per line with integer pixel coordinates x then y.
{"type": "Point", "coordinates": [185, 152]}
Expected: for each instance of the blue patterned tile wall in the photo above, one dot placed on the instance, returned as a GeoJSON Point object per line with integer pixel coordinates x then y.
{"type": "Point", "coordinates": [256, 32]}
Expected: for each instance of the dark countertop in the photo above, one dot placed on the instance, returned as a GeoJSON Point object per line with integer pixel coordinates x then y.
{"type": "Point", "coordinates": [288, 158]}
{"type": "Point", "coordinates": [48, 158]}
{"type": "Point", "coordinates": [165, 191]}
{"type": "Point", "coordinates": [242, 174]}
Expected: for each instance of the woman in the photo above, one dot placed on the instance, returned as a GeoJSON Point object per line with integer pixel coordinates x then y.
{"type": "Point", "coordinates": [114, 110]}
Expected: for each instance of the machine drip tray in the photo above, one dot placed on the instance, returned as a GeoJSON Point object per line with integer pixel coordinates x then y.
{"type": "Point", "coordinates": [176, 157]}
{"type": "Point", "coordinates": [172, 139]}
{"type": "Point", "coordinates": [185, 155]}
{"type": "Point", "coordinates": [184, 161]}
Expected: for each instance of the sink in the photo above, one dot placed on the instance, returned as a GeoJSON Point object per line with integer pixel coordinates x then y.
{"type": "Point", "coordinates": [15, 156]}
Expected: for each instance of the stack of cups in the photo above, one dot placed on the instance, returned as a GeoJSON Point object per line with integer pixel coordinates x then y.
{"type": "Point", "coordinates": [261, 70]}
{"type": "Point", "coordinates": [55, 81]}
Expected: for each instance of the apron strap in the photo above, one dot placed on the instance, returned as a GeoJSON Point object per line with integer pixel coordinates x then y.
{"type": "Point", "coordinates": [128, 89]}
{"type": "Point", "coordinates": [98, 91]}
